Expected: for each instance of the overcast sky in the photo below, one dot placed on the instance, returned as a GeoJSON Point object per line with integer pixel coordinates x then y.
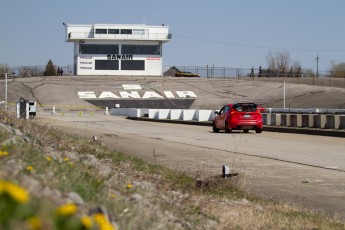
{"type": "Point", "coordinates": [223, 33]}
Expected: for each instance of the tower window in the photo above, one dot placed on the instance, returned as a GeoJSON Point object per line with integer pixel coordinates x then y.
{"type": "Point", "coordinates": [101, 31]}
{"type": "Point", "coordinates": [126, 31]}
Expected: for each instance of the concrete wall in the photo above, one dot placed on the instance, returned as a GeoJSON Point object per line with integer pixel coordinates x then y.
{"type": "Point", "coordinates": [320, 121]}
{"type": "Point", "coordinates": [342, 122]}
{"type": "Point", "coordinates": [163, 113]}
{"type": "Point", "coordinates": [176, 114]}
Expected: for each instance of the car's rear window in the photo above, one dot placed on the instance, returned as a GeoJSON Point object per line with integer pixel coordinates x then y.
{"type": "Point", "coordinates": [248, 107]}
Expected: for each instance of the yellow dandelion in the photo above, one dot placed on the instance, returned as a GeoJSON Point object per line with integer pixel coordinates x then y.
{"type": "Point", "coordinates": [48, 158]}
{"type": "Point", "coordinates": [102, 222]}
{"type": "Point", "coordinates": [86, 222]}
{"type": "Point", "coordinates": [98, 217]}
{"type": "Point", "coordinates": [113, 195]}
{"type": "Point", "coordinates": [29, 168]}
{"type": "Point", "coordinates": [129, 186]}
{"type": "Point", "coordinates": [3, 153]}
{"type": "Point", "coordinates": [19, 194]}
{"type": "Point", "coordinates": [34, 223]}
{"type": "Point", "coordinates": [67, 209]}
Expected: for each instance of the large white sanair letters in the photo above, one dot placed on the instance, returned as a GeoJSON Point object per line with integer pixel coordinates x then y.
{"type": "Point", "coordinates": [136, 95]}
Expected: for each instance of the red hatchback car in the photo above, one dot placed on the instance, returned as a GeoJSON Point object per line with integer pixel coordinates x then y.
{"type": "Point", "coordinates": [239, 116]}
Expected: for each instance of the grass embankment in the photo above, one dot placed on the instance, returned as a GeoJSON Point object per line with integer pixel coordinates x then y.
{"type": "Point", "coordinates": [73, 183]}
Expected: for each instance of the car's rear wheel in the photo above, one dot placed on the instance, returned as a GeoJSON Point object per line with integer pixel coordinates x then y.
{"type": "Point", "coordinates": [215, 129]}
{"type": "Point", "coordinates": [246, 130]}
{"type": "Point", "coordinates": [227, 130]}
{"type": "Point", "coordinates": [258, 130]}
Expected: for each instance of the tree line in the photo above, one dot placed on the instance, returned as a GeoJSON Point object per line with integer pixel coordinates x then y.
{"type": "Point", "coordinates": [279, 64]}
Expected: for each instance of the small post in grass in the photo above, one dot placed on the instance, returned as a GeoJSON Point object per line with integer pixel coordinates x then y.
{"type": "Point", "coordinates": [226, 171]}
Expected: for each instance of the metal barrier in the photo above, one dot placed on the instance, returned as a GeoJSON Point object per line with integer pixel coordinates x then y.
{"type": "Point", "coordinates": [254, 74]}
{"type": "Point", "coordinates": [225, 72]}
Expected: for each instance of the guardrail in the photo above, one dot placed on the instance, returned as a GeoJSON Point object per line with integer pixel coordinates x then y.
{"type": "Point", "coordinates": [305, 111]}
{"type": "Point", "coordinates": [317, 121]}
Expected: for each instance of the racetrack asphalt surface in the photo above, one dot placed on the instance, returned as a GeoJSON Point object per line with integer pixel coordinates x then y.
{"type": "Point", "coordinates": [307, 170]}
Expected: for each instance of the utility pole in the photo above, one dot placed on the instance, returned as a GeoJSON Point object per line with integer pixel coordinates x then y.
{"type": "Point", "coordinates": [317, 65]}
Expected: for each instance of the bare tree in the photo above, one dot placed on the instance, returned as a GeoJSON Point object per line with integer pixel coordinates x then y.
{"type": "Point", "coordinates": [271, 61]}
{"type": "Point", "coordinates": [283, 61]}
{"type": "Point", "coordinates": [278, 61]}
{"type": "Point", "coordinates": [337, 69]}
{"type": "Point", "coordinates": [297, 69]}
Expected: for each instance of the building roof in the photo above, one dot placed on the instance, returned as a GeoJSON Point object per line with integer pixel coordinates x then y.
{"type": "Point", "coordinates": [77, 32]}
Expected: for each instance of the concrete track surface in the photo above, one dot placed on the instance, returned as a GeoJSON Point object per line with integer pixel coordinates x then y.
{"type": "Point", "coordinates": [212, 93]}
{"type": "Point", "coordinates": [306, 170]}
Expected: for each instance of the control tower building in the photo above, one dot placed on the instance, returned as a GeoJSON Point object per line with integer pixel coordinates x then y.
{"type": "Point", "coordinates": [118, 49]}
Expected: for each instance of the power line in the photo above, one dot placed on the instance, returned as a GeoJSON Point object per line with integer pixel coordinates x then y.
{"type": "Point", "coordinates": [258, 47]}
